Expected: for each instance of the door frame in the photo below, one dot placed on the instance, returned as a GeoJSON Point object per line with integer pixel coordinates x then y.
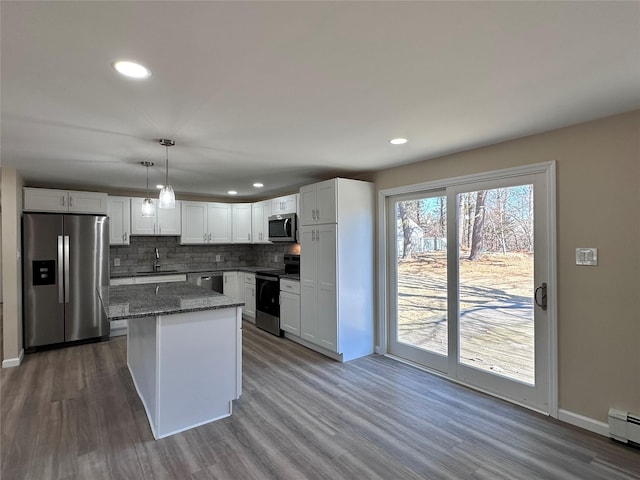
{"type": "Point", "coordinates": [548, 169]}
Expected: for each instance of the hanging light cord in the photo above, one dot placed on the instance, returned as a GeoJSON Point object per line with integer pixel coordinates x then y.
{"type": "Point", "coordinates": [147, 165]}
{"type": "Point", "coordinates": [166, 180]}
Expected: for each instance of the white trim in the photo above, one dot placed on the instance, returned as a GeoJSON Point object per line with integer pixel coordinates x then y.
{"type": "Point", "coordinates": [13, 362]}
{"type": "Point", "coordinates": [552, 272]}
{"type": "Point", "coordinates": [382, 346]}
{"type": "Point", "coordinates": [542, 167]}
{"type": "Point", "coordinates": [581, 421]}
{"type": "Point", "coordinates": [549, 170]}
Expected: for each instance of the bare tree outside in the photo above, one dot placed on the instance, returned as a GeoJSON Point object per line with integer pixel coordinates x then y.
{"type": "Point", "coordinates": [477, 237]}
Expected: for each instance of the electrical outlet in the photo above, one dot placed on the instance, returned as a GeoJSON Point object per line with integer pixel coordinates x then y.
{"type": "Point", "coordinates": [275, 258]}
{"type": "Point", "coordinates": [218, 258]}
{"type": "Point", "coordinates": [116, 262]}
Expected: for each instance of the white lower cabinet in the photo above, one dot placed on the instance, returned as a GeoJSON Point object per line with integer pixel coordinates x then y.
{"type": "Point", "coordinates": [290, 306]}
{"type": "Point", "coordinates": [249, 286]}
{"type": "Point", "coordinates": [119, 327]}
{"type": "Point", "coordinates": [230, 286]}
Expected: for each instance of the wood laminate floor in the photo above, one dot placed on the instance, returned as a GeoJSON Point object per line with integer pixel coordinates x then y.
{"type": "Point", "coordinates": [73, 414]}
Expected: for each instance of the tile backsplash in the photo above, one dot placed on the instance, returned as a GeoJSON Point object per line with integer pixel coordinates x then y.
{"type": "Point", "coordinates": [140, 255]}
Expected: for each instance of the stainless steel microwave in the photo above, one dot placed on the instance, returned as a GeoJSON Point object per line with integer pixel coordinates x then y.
{"type": "Point", "coordinates": [282, 228]}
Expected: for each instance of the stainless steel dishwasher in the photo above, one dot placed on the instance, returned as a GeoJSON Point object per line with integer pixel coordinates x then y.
{"type": "Point", "coordinates": [208, 280]}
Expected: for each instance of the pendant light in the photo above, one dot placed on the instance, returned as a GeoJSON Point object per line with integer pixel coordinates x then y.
{"type": "Point", "coordinates": [167, 196]}
{"type": "Point", "coordinates": [148, 208]}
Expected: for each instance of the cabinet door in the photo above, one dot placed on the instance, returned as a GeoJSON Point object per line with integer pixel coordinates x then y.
{"type": "Point", "coordinates": [326, 246]}
{"type": "Point", "coordinates": [169, 220]}
{"type": "Point", "coordinates": [308, 284]}
{"type": "Point", "coordinates": [260, 213]}
{"type": "Point", "coordinates": [230, 285]}
{"type": "Point", "coordinates": [241, 217]}
{"type": "Point", "coordinates": [326, 201]}
{"type": "Point", "coordinates": [290, 312]}
{"type": "Point", "coordinates": [219, 220]}
{"type": "Point", "coordinates": [289, 204]}
{"type": "Point", "coordinates": [142, 225]}
{"type": "Point", "coordinates": [119, 211]}
{"type": "Point", "coordinates": [308, 205]}
{"type": "Point", "coordinates": [88, 202]}
{"type": "Point", "coordinates": [45, 200]}
{"type": "Point", "coordinates": [249, 300]}
{"type": "Point", "coordinates": [194, 223]}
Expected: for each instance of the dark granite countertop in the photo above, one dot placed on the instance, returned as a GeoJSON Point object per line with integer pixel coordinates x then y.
{"type": "Point", "coordinates": [132, 301]}
{"type": "Point", "coordinates": [147, 273]}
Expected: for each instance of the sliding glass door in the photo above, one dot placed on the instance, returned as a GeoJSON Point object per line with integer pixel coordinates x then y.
{"type": "Point", "coordinates": [468, 269]}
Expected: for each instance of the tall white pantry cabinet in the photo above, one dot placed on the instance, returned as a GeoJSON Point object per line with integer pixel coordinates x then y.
{"type": "Point", "coordinates": [336, 267]}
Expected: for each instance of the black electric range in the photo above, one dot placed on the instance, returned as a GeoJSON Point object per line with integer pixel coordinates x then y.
{"type": "Point", "coordinates": [268, 293]}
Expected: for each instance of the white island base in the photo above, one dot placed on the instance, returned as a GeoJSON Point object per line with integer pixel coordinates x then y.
{"type": "Point", "coordinates": [186, 367]}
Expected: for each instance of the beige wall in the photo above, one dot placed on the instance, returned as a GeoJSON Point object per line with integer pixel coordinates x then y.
{"type": "Point", "coordinates": [598, 205]}
{"type": "Point", "coordinates": [11, 264]}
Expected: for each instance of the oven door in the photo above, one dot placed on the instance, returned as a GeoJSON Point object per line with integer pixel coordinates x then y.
{"type": "Point", "coordinates": [268, 304]}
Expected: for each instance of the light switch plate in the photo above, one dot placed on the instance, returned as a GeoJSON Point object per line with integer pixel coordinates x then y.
{"type": "Point", "coordinates": [116, 262]}
{"type": "Point", "coordinates": [218, 258]}
{"type": "Point", "coordinates": [587, 256]}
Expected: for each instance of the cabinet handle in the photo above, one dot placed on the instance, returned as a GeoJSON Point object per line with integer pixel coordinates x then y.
{"type": "Point", "coordinates": [318, 235]}
{"type": "Point", "coordinates": [318, 214]}
{"type": "Point", "coordinates": [63, 202]}
{"type": "Point", "coordinates": [70, 201]}
{"type": "Point", "coordinates": [313, 235]}
{"type": "Point", "coordinates": [249, 236]}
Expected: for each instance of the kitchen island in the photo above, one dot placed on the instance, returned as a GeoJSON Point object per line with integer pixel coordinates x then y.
{"type": "Point", "coordinates": [184, 351]}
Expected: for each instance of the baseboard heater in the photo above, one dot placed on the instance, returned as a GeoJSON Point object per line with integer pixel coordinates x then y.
{"type": "Point", "coordinates": [624, 426]}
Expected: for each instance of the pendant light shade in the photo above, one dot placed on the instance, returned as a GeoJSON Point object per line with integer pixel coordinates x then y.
{"type": "Point", "coordinates": [148, 208]}
{"type": "Point", "coordinates": [167, 196]}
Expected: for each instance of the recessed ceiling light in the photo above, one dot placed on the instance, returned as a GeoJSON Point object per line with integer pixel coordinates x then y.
{"type": "Point", "coordinates": [132, 69]}
{"type": "Point", "coordinates": [398, 141]}
{"type": "Point", "coordinates": [159, 186]}
{"type": "Point", "coordinates": [258, 185]}
{"type": "Point", "coordinates": [232, 192]}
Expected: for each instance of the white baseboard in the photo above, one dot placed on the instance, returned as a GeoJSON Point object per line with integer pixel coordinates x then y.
{"type": "Point", "coordinates": [13, 362]}
{"type": "Point", "coordinates": [581, 421]}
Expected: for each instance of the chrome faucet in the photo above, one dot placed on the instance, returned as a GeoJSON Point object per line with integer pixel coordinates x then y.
{"type": "Point", "coordinates": [156, 264]}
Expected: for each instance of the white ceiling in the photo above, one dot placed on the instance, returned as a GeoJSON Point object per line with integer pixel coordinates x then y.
{"type": "Point", "coordinates": [290, 93]}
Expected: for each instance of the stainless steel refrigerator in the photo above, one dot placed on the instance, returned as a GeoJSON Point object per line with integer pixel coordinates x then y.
{"type": "Point", "coordinates": [65, 261]}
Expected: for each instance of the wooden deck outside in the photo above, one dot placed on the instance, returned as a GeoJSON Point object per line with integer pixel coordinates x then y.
{"type": "Point", "coordinates": [496, 311]}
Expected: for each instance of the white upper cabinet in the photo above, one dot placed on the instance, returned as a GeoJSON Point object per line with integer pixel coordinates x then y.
{"type": "Point", "coordinates": [50, 200]}
{"type": "Point", "coordinates": [260, 213]}
{"type": "Point", "coordinates": [164, 222]}
{"type": "Point", "coordinates": [194, 223]}
{"type": "Point", "coordinates": [241, 217]}
{"type": "Point", "coordinates": [219, 222]}
{"type": "Point", "coordinates": [205, 222]}
{"type": "Point", "coordinates": [318, 203]}
{"type": "Point", "coordinates": [286, 204]}
{"type": "Point", "coordinates": [169, 220]}
{"type": "Point", "coordinates": [119, 211]}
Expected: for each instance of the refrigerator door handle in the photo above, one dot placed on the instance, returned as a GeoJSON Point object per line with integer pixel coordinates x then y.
{"type": "Point", "coordinates": [66, 269]}
{"type": "Point", "coordinates": [60, 270]}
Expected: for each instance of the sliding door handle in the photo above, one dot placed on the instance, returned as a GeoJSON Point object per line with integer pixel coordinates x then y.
{"type": "Point", "coordinates": [543, 296]}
